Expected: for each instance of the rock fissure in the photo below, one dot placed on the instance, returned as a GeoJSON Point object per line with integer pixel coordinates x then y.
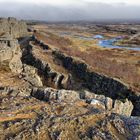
{"type": "Point", "coordinates": [95, 82]}
{"type": "Point", "coordinates": [45, 94]}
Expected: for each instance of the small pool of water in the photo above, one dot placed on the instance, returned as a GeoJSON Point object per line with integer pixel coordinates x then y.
{"type": "Point", "coordinates": [109, 44]}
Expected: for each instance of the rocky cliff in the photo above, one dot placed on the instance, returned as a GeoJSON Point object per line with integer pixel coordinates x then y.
{"type": "Point", "coordinates": [10, 52]}
{"type": "Point", "coordinates": [47, 95]}
{"type": "Point", "coordinates": [13, 26]}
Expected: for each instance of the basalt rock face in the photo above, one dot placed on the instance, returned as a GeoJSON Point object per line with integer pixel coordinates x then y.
{"type": "Point", "coordinates": [96, 82]}
{"type": "Point", "coordinates": [30, 74]}
{"type": "Point", "coordinates": [13, 26]}
{"type": "Point", "coordinates": [11, 53]}
{"type": "Point", "coordinates": [93, 81]}
{"type": "Point", "coordinates": [8, 47]}
{"type": "Point", "coordinates": [98, 101]}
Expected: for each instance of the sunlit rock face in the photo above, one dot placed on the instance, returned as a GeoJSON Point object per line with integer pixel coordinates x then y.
{"type": "Point", "coordinates": [13, 26]}
{"type": "Point", "coordinates": [10, 29]}
{"type": "Point", "coordinates": [10, 52]}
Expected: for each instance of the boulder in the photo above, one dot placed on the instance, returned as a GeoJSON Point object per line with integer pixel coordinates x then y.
{"type": "Point", "coordinates": [123, 108]}
{"type": "Point", "coordinates": [15, 64]}
{"type": "Point", "coordinates": [31, 75]}
{"type": "Point", "coordinates": [49, 94]}
{"type": "Point", "coordinates": [115, 106]}
{"type": "Point", "coordinates": [68, 95]}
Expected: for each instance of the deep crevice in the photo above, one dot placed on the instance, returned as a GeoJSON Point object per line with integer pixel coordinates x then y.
{"type": "Point", "coordinates": [95, 82]}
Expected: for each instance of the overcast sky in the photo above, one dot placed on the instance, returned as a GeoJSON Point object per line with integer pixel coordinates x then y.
{"type": "Point", "coordinates": [66, 10]}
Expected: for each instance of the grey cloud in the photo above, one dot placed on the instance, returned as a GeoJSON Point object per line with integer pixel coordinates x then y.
{"type": "Point", "coordinates": [88, 11]}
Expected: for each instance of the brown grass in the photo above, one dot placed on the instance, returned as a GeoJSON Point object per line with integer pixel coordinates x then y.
{"type": "Point", "coordinates": [18, 117]}
{"type": "Point", "coordinates": [121, 64]}
{"type": "Point", "coordinates": [48, 58]}
{"type": "Point", "coordinates": [54, 39]}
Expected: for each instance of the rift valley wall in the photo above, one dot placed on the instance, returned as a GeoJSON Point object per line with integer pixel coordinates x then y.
{"type": "Point", "coordinates": [10, 30]}
{"type": "Point", "coordinates": [95, 82]}
{"type": "Point", "coordinates": [13, 26]}
{"type": "Point", "coordinates": [100, 84]}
